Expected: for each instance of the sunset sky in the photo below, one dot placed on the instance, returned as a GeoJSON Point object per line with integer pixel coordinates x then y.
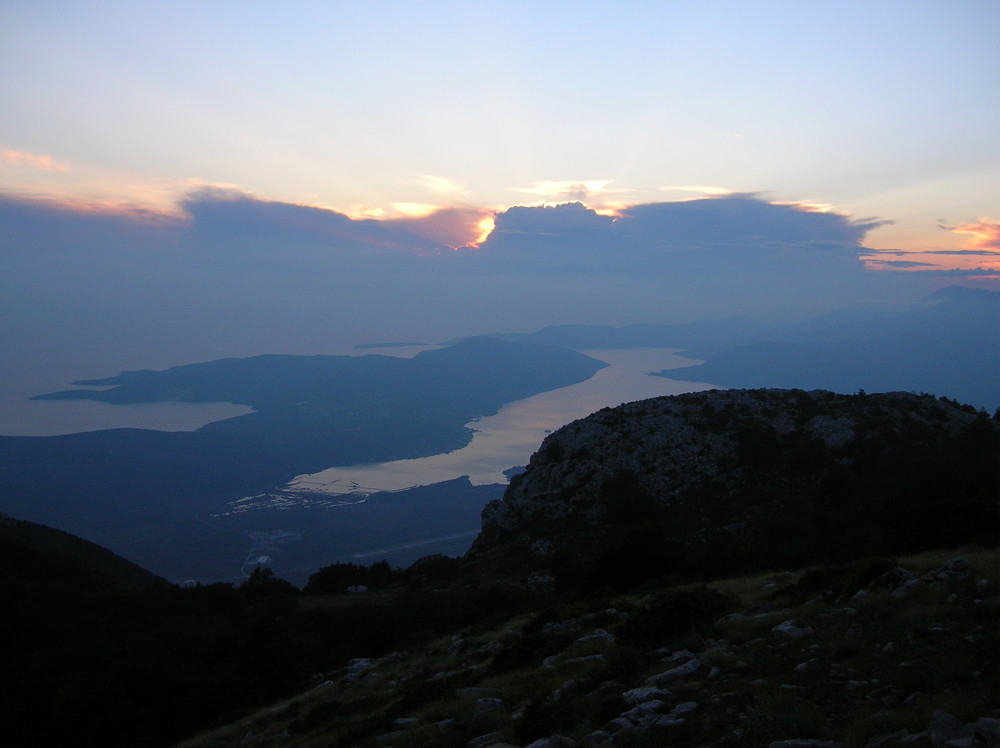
{"type": "Point", "coordinates": [884, 108]}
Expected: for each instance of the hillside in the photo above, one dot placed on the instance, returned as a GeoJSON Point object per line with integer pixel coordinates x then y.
{"type": "Point", "coordinates": [729, 568]}
{"type": "Point", "coordinates": [92, 557]}
{"type": "Point", "coordinates": [878, 653]}
{"type": "Point", "coordinates": [610, 598]}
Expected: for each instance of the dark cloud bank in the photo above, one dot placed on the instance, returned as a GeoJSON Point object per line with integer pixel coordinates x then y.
{"type": "Point", "coordinates": [236, 275]}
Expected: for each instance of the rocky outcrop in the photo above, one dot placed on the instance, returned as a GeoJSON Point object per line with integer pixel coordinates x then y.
{"type": "Point", "coordinates": [743, 467]}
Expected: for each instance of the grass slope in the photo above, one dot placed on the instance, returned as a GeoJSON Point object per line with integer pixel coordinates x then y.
{"type": "Point", "coordinates": [867, 665]}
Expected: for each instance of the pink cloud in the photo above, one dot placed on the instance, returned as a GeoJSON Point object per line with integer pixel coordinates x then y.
{"type": "Point", "coordinates": [984, 233]}
{"type": "Point", "coordinates": [40, 161]}
{"type": "Point", "coordinates": [454, 227]}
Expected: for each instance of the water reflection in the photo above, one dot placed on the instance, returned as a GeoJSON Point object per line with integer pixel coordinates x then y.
{"type": "Point", "coordinates": [23, 417]}
{"type": "Point", "coordinates": [508, 438]}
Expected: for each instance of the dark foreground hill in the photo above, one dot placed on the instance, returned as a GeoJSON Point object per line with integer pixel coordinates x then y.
{"type": "Point", "coordinates": [727, 568]}
{"type": "Point", "coordinates": [92, 558]}
{"type": "Point", "coordinates": [882, 652]}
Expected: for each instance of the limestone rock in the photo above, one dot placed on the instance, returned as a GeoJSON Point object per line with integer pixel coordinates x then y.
{"type": "Point", "coordinates": [680, 672]}
{"type": "Point", "coordinates": [645, 693]}
{"type": "Point", "coordinates": [788, 630]}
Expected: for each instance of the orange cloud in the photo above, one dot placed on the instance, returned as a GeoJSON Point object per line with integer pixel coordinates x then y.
{"type": "Point", "coordinates": [454, 227]}
{"type": "Point", "coordinates": [985, 235]}
{"type": "Point", "coordinates": [415, 210]}
{"type": "Point", "coordinates": [40, 161]}
{"type": "Point", "coordinates": [979, 254]}
{"type": "Point", "coordinates": [938, 261]}
{"type": "Point", "coordinates": [485, 226]}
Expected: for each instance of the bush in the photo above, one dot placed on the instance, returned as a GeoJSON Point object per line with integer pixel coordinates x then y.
{"type": "Point", "coordinates": [672, 614]}
{"type": "Point", "coordinates": [338, 577]}
{"type": "Point", "coordinates": [632, 556]}
{"type": "Point", "coordinates": [434, 567]}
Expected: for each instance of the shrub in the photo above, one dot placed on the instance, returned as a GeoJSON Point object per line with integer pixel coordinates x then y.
{"type": "Point", "coordinates": [338, 577]}
{"type": "Point", "coordinates": [672, 614]}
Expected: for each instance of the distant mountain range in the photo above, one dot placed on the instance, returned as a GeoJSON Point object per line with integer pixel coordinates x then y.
{"type": "Point", "coordinates": [946, 344]}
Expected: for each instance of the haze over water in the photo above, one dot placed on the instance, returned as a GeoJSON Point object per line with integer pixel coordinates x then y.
{"type": "Point", "coordinates": [508, 439]}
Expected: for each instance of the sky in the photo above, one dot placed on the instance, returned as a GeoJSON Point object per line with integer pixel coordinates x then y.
{"type": "Point", "coordinates": [186, 178]}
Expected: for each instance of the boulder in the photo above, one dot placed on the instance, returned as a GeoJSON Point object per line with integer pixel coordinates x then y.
{"type": "Point", "coordinates": [789, 630]}
{"type": "Point", "coordinates": [645, 693]}
{"type": "Point", "coordinates": [680, 672]}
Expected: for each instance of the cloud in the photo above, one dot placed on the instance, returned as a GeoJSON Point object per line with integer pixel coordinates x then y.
{"type": "Point", "coordinates": [984, 233]}
{"type": "Point", "coordinates": [744, 219]}
{"type": "Point", "coordinates": [414, 210]}
{"type": "Point", "coordinates": [444, 186]}
{"type": "Point", "coordinates": [737, 229]}
{"type": "Point", "coordinates": [588, 190]}
{"type": "Point", "coordinates": [734, 227]}
{"type": "Point", "coordinates": [558, 221]}
{"type": "Point", "coordinates": [229, 217]}
{"type": "Point", "coordinates": [904, 264]}
{"type": "Point", "coordinates": [978, 258]}
{"type": "Point", "coordinates": [700, 189]}
{"type": "Point", "coordinates": [43, 226]}
{"type": "Point", "coordinates": [728, 255]}
{"type": "Point", "coordinates": [963, 252]}
{"type": "Point", "coordinates": [452, 227]}
{"type": "Point", "coordinates": [419, 229]}
{"type": "Point", "coordinates": [39, 161]}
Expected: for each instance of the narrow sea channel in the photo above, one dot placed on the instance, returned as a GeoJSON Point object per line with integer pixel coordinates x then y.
{"type": "Point", "coordinates": [509, 438]}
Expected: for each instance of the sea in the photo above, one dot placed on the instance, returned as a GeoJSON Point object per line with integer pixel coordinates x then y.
{"type": "Point", "coordinates": [499, 442]}
{"type": "Point", "coordinates": [507, 439]}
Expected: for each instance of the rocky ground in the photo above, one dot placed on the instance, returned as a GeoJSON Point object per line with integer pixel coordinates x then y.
{"type": "Point", "coordinates": [876, 653]}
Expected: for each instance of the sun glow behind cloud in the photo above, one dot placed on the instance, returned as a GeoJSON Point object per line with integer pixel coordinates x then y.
{"type": "Point", "coordinates": [415, 210]}
{"type": "Point", "coordinates": [485, 227]}
{"type": "Point", "coordinates": [443, 210]}
{"type": "Point", "coordinates": [450, 227]}
{"type": "Point", "coordinates": [586, 191]}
